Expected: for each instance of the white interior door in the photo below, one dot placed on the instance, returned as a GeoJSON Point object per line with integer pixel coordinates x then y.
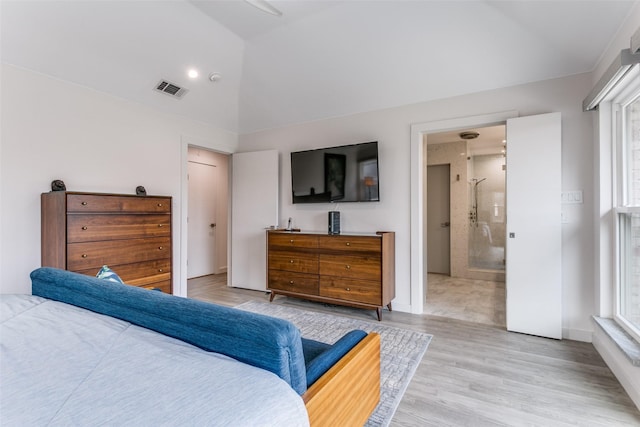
{"type": "Point", "coordinates": [534, 234]}
{"type": "Point", "coordinates": [201, 220]}
{"type": "Point", "coordinates": [438, 219]}
{"type": "Point", "coordinates": [254, 208]}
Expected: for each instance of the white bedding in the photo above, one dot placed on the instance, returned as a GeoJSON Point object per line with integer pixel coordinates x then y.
{"type": "Point", "coordinates": [63, 365]}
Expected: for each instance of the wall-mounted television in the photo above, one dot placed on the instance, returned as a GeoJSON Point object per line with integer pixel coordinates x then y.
{"type": "Point", "coordinates": [347, 173]}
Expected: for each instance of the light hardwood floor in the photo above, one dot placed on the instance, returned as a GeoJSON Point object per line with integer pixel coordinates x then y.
{"type": "Point", "coordinates": [480, 375]}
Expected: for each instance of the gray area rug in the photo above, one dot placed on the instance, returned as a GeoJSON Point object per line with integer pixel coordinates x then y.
{"type": "Point", "coordinates": [401, 350]}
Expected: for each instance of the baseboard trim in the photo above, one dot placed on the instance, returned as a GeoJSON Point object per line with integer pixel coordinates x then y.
{"type": "Point", "coordinates": [577, 335]}
{"type": "Point", "coordinates": [405, 308]}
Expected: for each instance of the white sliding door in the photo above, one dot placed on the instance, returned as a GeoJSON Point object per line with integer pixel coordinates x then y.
{"type": "Point", "coordinates": [254, 207]}
{"type": "Point", "coordinates": [534, 234]}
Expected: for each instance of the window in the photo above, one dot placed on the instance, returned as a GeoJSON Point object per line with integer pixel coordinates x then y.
{"type": "Point", "coordinates": [626, 123]}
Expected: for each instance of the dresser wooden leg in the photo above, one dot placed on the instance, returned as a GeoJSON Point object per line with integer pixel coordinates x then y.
{"type": "Point", "coordinates": [379, 312]}
{"type": "Point", "coordinates": [271, 297]}
{"type": "Point", "coordinates": [389, 307]}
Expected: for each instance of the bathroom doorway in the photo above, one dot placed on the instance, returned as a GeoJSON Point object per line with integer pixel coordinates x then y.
{"type": "Point", "coordinates": [474, 288]}
{"type": "Point", "coordinates": [477, 159]}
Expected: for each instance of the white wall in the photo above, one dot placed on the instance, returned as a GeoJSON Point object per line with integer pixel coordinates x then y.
{"type": "Point", "coordinates": [391, 128]}
{"type": "Point", "coordinates": [94, 142]}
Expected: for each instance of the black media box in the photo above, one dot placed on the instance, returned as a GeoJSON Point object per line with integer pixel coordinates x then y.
{"type": "Point", "coordinates": [334, 222]}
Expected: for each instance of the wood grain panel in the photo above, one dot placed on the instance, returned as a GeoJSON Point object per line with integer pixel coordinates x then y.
{"type": "Point", "coordinates": [53, 230]}
{"type": "Point", "coordinates": [347, 394]}
{"type": "Point", "coordinates": [82, 202]}
{"type": "Point", "coordinates": [82, 256]}
{"type": "Point", "coordinates": [350, 243]}
{"type": "Point", "coordinates": [95, 227]}
{"type": "Point", "coordinates": [365, 268]}
{"type": "Point", "coordinates": [293, 282]}
{"type": "Point", "coordinates": [351, 290]}
{"type": "Point", "coordinates": [293, 261]}
{"type": "Point", "coordinates": [133, 272]}
{"type": "Point", "coordinates": [292, 240]}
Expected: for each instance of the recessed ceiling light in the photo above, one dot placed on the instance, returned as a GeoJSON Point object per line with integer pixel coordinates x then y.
{"type": "Point", "coordinates": [193, 73]}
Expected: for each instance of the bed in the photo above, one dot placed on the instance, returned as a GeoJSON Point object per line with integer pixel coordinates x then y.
{"type": "Point", "coordinates": [62, 364]}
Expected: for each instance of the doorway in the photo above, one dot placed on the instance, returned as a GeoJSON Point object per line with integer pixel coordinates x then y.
{"type": "Point", "coordinates": [207, 212]}
{"type": "Point", "coordinates": [534, 293]}
{"type": "Point", "coordinates": [472, 288]}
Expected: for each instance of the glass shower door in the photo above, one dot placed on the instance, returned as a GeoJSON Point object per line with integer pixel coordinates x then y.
{"type": "Point", "coordinates": [487, 212]}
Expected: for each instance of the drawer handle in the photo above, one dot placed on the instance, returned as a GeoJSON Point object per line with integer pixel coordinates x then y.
{"type": "Point", "coordinates": [160, 247]}
{"type": "Point", "coordinates": [291, 282]}
{"type": "Point", "coordinates": [348, 244]}
{"type": "Point", "coordinates": [159, 205]}
{"type": "Point", "coordinates": [291, 241]}
{"type": "Point", "coordinates": [84, 203]}
{"type": "Point", "coordinates": [160, 270]}
{"type": "Point", "coordinates": [84, 227]}
{"type": "Point", "coordinates": [348, 289]}
{"type": "Point", "coordinates": [84, 255]}
{"type": "Point", "coordinates": [159, 225]}
{"type": "Point", "coordinates": [348, 267]}
{"type": "Point", "coordinates": [291, 261]}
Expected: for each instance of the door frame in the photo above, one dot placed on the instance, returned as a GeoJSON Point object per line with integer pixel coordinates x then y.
{"type": "Point", "coordinates": [418, 189]}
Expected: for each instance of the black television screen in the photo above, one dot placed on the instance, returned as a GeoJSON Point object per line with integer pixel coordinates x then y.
{"type": "Point", "coordinates": [348, 173]}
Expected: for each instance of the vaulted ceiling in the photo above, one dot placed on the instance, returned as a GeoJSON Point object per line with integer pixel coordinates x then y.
{"type": "Point", "coordinates": [319, 59]}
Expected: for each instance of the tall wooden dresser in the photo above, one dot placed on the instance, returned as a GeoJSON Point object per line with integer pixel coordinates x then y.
{"type": "Point", "coordinates": [356, 270]}
{"type": "Point", "coordinates": [81, 232]}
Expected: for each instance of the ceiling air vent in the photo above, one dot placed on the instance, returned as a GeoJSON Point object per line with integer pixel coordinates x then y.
{"type": "Point", "coordinates": [171, 89]}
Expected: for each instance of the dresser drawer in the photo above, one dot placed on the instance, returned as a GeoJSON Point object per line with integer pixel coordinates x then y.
{"type": "Point", "coordinates": [293, 261]}
{"type": "Point", "coordinates": [95, 227]}
{"type": "Point", "coordinates": [350, 243]}
{"type": "Point", "coordinates": [164, 286]}
{"type": "Point", "coordinates": [292, 240]}
{"type": "Point", "coordinates": [83, 256]}
{"type": "Point", "coordinates": [356, 267]}
{"type": "Point", "coordinates": [124, 204]}
{"type": "Point", "coordinates": [159, 269]}
{"type": "Point", "coordinates": [351, 290]}
{"type": "Point", "coordinates": [293, 282]}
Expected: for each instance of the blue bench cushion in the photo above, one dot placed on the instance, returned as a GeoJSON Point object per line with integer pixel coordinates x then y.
{"type": "Point", "coordinates": [319, 357]}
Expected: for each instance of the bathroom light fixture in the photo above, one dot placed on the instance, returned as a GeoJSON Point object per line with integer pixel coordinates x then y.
{"type": "Point", "coordinates": [192, 73]}
{"type": "Point", "coordinates": [264, 6]}
{"type": "Point", "coordinates": [469, 135]}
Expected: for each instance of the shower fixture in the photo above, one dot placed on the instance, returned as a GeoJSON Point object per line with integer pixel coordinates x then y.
{"type": "Point", "coordinates": [473, 214]}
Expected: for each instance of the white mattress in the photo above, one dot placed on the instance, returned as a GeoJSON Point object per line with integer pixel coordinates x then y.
{"type": "Point", "coordinates": [63, 365]}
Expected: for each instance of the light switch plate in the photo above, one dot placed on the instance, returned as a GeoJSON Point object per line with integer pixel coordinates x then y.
{"type": "Point", "coordinates": [571, 197]}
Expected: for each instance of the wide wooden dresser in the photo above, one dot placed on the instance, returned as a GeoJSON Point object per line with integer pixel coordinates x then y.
{"type": "Point", "coordinates": [131, 234]}
{"type": "Point", "coordinates": [356, 270]}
